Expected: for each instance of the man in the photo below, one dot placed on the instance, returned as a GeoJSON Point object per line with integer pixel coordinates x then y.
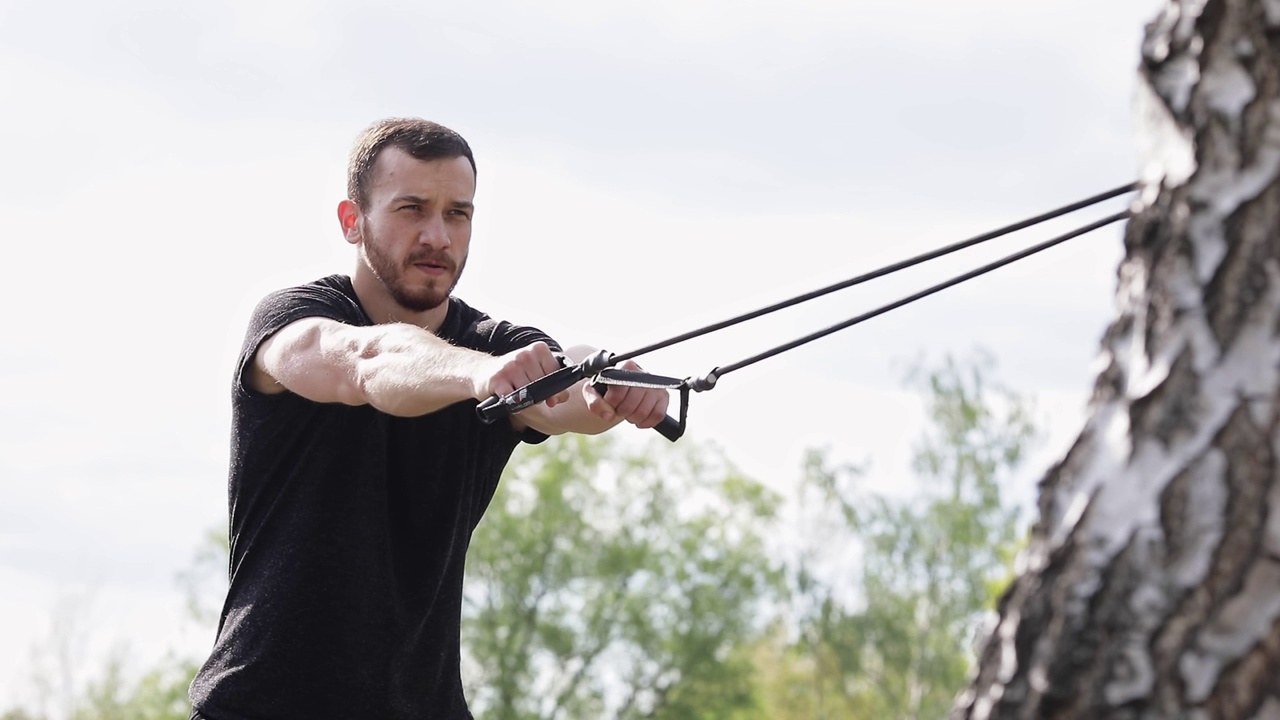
{"type": "Point", "coordinates": [358, 466]}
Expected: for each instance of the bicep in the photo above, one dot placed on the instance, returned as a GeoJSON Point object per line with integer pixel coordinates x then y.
{"type": "Point", "coordinates": [313, 357]}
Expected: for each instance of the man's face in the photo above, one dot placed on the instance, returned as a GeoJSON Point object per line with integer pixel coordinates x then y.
{"type": "Point", "coordinates": [416, 230]}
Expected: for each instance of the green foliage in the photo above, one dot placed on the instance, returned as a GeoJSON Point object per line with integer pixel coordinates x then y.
{"type": "Point", "coordinates": [204, 582]}
{"type": "Point", "coordinates": [160, 694]}
{"type": "Point", "coordinates": [112, 692]}
{"type": "Point", "coordinates": [932, 563]}
{"type": "Point", "coordinates": [649, 582]}
{"type": "Point", "coordinates": [622, 583]}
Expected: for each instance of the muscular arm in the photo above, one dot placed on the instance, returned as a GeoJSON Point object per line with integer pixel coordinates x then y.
{"type": "Point", "coordinates": [404, 370]}
{"type": "Point", "coordinates": [397, 368]}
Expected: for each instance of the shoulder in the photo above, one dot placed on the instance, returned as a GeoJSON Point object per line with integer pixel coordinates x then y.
{"type": "Point", "coordinates": [330, 297]}
{"type": "Point", "coordinates": [475, 329]}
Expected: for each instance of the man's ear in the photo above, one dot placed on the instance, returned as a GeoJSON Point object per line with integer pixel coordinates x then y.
{"type": "Point", "coordinates": [349, 219]}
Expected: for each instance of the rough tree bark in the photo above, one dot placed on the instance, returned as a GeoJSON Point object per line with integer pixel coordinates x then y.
{"type": "Point", "coordinates": [1151, 588]}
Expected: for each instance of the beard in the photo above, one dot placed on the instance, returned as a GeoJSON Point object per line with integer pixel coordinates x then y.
{"type": "Point", "coordinates": [414, 297]}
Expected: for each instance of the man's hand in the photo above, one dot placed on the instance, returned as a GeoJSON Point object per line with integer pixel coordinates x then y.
{"type": "Point", "coordinates": [642, 407]}
{"type": "Point", "coordinates": [507, 373]}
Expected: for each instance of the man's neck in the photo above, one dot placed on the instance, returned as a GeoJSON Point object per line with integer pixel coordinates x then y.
{"type": "Point", "coordinates": [382, 308]}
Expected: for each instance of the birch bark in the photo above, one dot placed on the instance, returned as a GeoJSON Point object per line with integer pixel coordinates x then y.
{"type": "Point", "coordinates": [1151, 588]}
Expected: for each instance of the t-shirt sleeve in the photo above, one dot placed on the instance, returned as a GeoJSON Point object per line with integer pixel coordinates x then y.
{"type": "Point", "coordinates": [508, 337]}
{"type": "Point", "coordinates": [283, 307]}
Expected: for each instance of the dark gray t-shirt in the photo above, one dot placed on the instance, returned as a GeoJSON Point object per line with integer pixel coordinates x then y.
{"type": "Point", "coordinates": [349, 528]}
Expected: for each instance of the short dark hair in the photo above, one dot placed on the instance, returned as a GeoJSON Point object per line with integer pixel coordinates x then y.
{"type": "Point", "coordinates": [422, 139]}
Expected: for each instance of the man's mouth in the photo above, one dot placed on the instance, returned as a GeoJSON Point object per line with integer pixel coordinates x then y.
{"type": "Point", "coordinates": [432, 267]}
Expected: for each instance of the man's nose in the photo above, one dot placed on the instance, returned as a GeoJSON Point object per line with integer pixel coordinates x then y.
{"type": "Point", "coordinates": [435, 233]}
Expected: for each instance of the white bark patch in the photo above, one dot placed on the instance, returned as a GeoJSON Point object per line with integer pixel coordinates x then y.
{"type": "Point", "coordinates": [1272, 10]}
{"type": "Point", "coordinates": [1205, 352]}
{"type": "Point", "coordinates": [982, 706]}
{"type": "Point", "coordinates": [1175, 81]}
{"type": "Point", "coordinates": [1240, 624]}
{"type": "Point", "coordinates": [1166, 151]}
{"type": "Point", "coordinates": [1260, 379]}
{"type": "Point", "coordinates": [1271, 537]}
{"type": "Point", "coordinates": [1223, 192]}
{"type": "Point", "coordinates": [1248, 369]}
{"type": "Point", "coordinates": [1176, 78]}
{"type": "Point", "coordinates": [1008, 655]}
{"type": "Point", "coordinates": [1143, 373]}
{"type": "Point", "coordinates": [1155, 46]}
{"type": "Point", "coordinates": [1228, 191]}
{"type": "Point", "coordinates": [1142, 675]}
{"type": "Point", "coordinates": [1008, 665]}
{"type": "Point", "coordinates": [1191, 10]}
{"type": "Point", "coordinates": [1075, 510]}
{"type": "Point", "coordinates": [1270, 710]}
{"type": "Point", "coordinates": [1227, 88]}
{"type": "Point", "coordinates": [1135, 674]}
{"type": "Point", "coordinates": [1251, 367]}
{"type": "Point", "coordinates": [1199, 672]}
{"type": "Point", "coordinates": [1108, 424]}
{"type": "Point", "coordinates": [1210, 245]}
{"type": "Point", "coordinates": [1119, 484]}
{"type": "Point", "coordinates": [1203, 518]}
{"type": "Point", "coordinates": [1110, 428]}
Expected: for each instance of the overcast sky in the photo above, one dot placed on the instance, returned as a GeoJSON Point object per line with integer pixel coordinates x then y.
{"type": "Point", "coordinates": [643, 168]}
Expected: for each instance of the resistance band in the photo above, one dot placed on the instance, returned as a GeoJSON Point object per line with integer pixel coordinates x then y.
{"type": "Point", "coordinates": [600, 366]}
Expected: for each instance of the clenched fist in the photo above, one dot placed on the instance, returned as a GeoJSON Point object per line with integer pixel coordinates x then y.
{"type": "Point", "coordinates": [507, 373]}
{"type": "Point", "coordinates": [642, 407]}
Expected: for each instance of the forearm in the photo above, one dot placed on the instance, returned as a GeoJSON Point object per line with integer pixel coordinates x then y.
{"type": "Point", "coordinates": [407, 371]}
{"type": "Point", "coordinates": [404, 370]}
{"type": "Point", "coordinates": [399, 369]}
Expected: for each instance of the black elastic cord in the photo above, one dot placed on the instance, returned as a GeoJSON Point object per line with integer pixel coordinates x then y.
{"type": "Point", "coordinates": [881, 272]}
{"type": "Point", "coordinates": [725, 370]}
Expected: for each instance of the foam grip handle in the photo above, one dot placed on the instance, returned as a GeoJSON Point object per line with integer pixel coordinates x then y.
{"type": "Point", "coordinates": [495, 408]}
{"type": "Point", "coordinates": [668, 428]}
{"type": "Point", "coordinates": [492, 409]}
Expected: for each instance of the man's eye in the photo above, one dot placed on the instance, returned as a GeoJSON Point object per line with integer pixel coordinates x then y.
{"type": "Point", "coordinates": [411, 208]}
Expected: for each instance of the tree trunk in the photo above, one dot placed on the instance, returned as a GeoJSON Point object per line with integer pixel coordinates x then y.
{"type": "Point", "coordinates": [1151, 588]}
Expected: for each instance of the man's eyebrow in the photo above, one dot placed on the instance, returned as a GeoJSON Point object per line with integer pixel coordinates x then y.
{"type": "Point", "coordinates": [419, 200]}
{"type": "Point", "coordinates": [415, 199]}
